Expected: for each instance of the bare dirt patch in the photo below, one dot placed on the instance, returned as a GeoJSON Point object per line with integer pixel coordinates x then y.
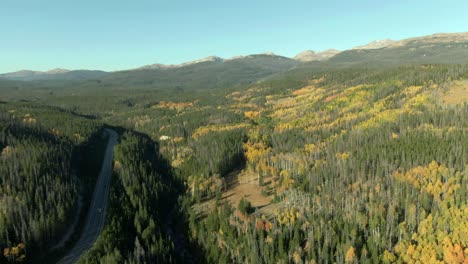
{"type": "Point", "coordinates": [245, 185]}
{"type": "Point", "coordinates": [241, 184]}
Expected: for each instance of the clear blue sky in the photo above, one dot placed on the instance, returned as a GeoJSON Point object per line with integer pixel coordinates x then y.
{"type": "Point", "coordinates": [114, 34]}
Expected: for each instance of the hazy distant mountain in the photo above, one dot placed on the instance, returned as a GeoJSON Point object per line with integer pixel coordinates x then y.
{"type": "Point", "coordinates": [169, 66]}
{"type": "Point", "coordinates": [378, 44]}
{"type": "Point", "coordinates": [211, 72]}
{"type": "Point", "coordinates": [55, 74]}
{"type": "Point", "coordinates": [216, 72]}
{"type": "Point", "coordinates": [18, 75]}
{"type": "Point", "coordinates": [57, 70]}
{"type": "Point", "coordinates": [310, 55]}
{"type": "Point", "coordinates": [433, 39]}
{"type": "Point", "coordinates": [207, 59]}
{"type": "Point", "coordinates": [437, 48]}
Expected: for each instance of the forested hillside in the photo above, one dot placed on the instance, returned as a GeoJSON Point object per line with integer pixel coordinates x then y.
{"type": "Point", "coordinates": [42, 165]}
{"type": "Point", "coordinates": [359, 164]}
{"type": "Point", "coordinates": [319, 163]}
{"type": "Point", "coordinates": [369, 169]}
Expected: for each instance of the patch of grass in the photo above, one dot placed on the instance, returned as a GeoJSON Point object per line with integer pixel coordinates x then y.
{"type": "Point", "coordinates": [457, 93]}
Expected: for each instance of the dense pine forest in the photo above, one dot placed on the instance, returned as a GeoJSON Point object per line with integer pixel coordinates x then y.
{"type": "Point", "coordinates": [49, 157]}
{"type": "Point", "coordinates": [141, 196]}
{"type": "Point", "coordinates": [362, 164]}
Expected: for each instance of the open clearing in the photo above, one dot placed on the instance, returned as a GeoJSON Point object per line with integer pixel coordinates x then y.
{"type": "Point", "coordinates": [241, 184]}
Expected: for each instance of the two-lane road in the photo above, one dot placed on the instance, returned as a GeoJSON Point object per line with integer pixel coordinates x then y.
{"type": "Point", "coordinates": [97, 210]}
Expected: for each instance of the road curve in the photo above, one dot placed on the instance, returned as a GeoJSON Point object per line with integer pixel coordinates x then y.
{"type": "Point", "coordinates": [97, 210]}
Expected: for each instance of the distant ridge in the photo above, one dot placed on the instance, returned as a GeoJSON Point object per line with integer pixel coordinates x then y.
{"type": "Point", "coordinates": [378, 44]}
{"type": "Point", "coordinates": [434, 38]}
{"type": "Point", "coordinates": [54, 74]}
{"type": "Point", "coordinates": [207, 59]}
{"type": "Point", "coordinates": [57, 70]}
{"type": "Point", "coordinates": [310, 55]}
{"type": "Point", "coordinates": [169, 66]}
{"type": "Point", "coordinates": [207, 73]}
{"type": "Point", "coordinates": [435, 48]}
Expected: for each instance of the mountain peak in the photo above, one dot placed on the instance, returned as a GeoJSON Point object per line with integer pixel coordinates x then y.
{"type": "Point", "coordinates": [210, 58]}
{"type": "Point", "coordinates": [57, 70]}
{"type": "Point", "coordinates": [310, 55]}
{"type": "Point", "coordinates": [269, 53]}
{"type": "Point", "coordinates": [160, 66]}
{"type": "Point", "coordinates": [377, 44]}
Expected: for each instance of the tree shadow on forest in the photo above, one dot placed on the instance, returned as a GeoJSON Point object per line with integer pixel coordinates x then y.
{"type": "Point", "coordinates": [175, 214]}
{"type": "Point", "coordinates": [188, 251]}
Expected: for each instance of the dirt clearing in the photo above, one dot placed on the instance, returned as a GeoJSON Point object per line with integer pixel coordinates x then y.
{"type": "Point", "coordinates": [241, 184]}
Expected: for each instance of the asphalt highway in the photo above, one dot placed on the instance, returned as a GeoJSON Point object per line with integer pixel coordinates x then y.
{"type": "Point", "coordinates": [97, 211]}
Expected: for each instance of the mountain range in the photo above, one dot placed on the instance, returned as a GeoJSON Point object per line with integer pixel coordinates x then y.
{"type": "Point", "coordinates": [55, 74]}
{"type": "Point", "coordinates": [214, 71]}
